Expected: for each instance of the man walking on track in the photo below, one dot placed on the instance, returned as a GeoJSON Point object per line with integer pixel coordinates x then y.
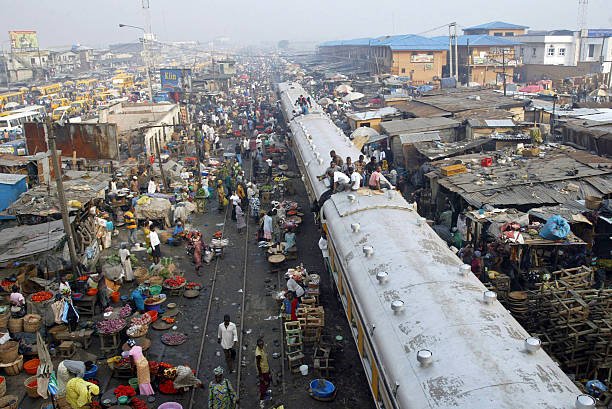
{"type": "Point", "coordinates": [227, 336]}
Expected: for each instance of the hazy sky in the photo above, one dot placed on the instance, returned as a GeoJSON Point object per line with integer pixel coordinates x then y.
{"type": "Point", "coordinates": [95, 22]}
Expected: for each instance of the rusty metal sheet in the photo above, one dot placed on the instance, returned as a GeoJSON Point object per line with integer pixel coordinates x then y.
{"type": "Point", "coordinates": [90, 141]}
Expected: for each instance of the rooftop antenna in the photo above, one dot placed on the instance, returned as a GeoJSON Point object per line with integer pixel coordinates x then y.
{"type": "Point", "coordinates": [147, 17]}
{"type": "Point", "coordinates": [583, 6]}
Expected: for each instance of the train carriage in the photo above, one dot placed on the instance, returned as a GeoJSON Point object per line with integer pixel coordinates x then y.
{"type": "Point", "coordinates": [425, 334]}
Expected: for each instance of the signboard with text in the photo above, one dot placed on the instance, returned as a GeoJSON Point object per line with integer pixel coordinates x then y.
{"type": "Point", "coordinates": [175, 79]}
{"type": "Point", "coordinates": [418, 58]}
{"type": "Point", "coordinates": [23, 40]}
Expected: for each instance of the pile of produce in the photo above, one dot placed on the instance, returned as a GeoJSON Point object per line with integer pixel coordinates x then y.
{"type": "Point", "coordinates": [41, 296]}
{"type": "Point", "coordinates": [173, 338]}
{"type": "Point", "coordinates": [138, 403]}
{"type": "Point", "coordinates": [174, 282]}
{"type": "Point", "coordinates": [154, 299]}
{"type": "Point", "coordinates": [124, 390]}
{"type": "Point", "coordinates": [125, 311]}
{"type": "Point", "coordinates": [7, 285]}
{"type": "Point", "coordinates": [192, 285]}
{"type": "Point", "coordinates": [144, 319]}
{"type": "Point", "coordinates": [110, 326]}
{"type": "Point", "coordinates": [136, 330]}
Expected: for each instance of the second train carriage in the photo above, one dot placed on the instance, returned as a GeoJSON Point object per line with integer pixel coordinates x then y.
{"type": "Point", "coordinates": [405, 293]}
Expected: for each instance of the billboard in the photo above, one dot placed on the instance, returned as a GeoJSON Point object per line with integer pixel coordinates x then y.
{"type": "Point", "coordinates": [175, 79]}
{"type": "Point", "coordinates": [23, 40]}
{"type": "Point", "coordinates": [419, 58]}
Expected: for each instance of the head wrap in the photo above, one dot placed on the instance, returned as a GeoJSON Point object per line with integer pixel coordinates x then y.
{"type": "Point", "coordinates": [131, 342]}
{"type": "Point", "coordinates": [218, 371]}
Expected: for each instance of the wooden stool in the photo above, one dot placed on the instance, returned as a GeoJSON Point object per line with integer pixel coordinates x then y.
{"type": "Point", "coordinates": [67, 349]}
{"type": "Point", "coordinates": [295, 360]}
{"type": "Point", "coordinates": [291, 254]}
{"type": "Point", "coordinates": [323, 366]}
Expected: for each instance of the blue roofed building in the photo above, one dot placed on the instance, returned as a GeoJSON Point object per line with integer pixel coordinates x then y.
{"type": "Point", "coordinates": [11, 186]}
{"type": "Point", "coordinates": [496, 29]}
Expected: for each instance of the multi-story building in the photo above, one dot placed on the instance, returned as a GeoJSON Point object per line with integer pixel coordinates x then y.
{"type": "Point", "coordinates": [419, 58]}
{"type": "Point", "coordinates": [496, 29]}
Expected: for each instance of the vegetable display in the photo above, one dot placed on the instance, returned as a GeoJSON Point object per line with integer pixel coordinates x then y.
{"type": "Point", "coordinates": [110, 326]}
{"type": "Point", "coordinates": [192, 285]}
{"type": "Point", "coordinates": [174, 282]}
{"type": "Point", "coordinates": [136, 330]}
{"type": "Point", "coordinates": [125, 311]}
{"type": "Point", "coordinates": [173, 338]}
{"type": "Point", "coordinates": [124, 390]}
{"type": "Point", "coordinates": [138, 403]}
{"type": "Point", "coordinates": [144, 319]}
{"type": "Point", "coordinates": [41, 296]}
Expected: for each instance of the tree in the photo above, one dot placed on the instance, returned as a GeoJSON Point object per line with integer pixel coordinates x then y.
{"type": "Point", "coordinates": [283, 44]}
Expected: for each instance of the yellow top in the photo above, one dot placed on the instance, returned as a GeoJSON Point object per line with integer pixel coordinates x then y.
{"type": "Point", "coordinates": [263, 365]}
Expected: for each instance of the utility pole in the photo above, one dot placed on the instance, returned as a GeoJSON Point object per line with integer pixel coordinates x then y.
{"type": "Point", "coordinates": [450, 51]}
{"type": "Point", "coordinates": [456, 58]}
{"type": "Point", "coordinates": [57, 169]}
{"type": "Point", "coordinates": [469, 56]}
{"type": "Point", "coordinates": [504, 68]}
{"type": "Point", "coordinates": [161, 167]}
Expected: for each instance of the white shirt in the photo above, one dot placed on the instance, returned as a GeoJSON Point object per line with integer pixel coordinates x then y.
{"type": "Point", "coordinates": [269, 162]}
{"type": "Point", "coordinates": [151, 188]}
{"type": "Point", "coordinates": [154, 239]}
{"type": "Point", "coordinates": [235, 199]}
{"type": "Point", "coordinates": [340, 177]}
{"type": "Point", "coordinates": [323, 247]}
{"type": "Point", "coordinates": [292, 285]}
{"type": "Point", "coordinates": [124, 254]}
{"type": "Point", "coordinates": [355, 180]}
{"type": "Point", "coordinates": [227, 335]}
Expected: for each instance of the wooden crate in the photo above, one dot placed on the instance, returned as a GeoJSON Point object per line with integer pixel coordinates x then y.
{"type": "Point", "coordinates": [453, 170]}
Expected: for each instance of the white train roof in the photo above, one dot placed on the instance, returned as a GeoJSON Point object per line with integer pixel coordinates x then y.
{"type": "Point", "coordinates": [479, 357]}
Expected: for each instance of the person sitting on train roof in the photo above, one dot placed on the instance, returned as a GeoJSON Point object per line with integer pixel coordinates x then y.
{"type": "Point", "coordinates": [378, 181]}
{"type": "Point", "coordinates": [341, 182]}
{"type": "Point", "coordinates": [355, 178]}
{"type": "Point", "coordinates": [336, 158]}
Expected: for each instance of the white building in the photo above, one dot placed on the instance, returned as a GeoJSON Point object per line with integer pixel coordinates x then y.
{"type": "Point", "coordinates": [559, 47]}
{"type": "Point", "coordinates": [596, 45]}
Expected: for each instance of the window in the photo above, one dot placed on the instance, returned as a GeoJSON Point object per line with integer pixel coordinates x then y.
{"type": "Point", "coordinates": [533, 52]}
{"type": "Point", "coordinates": [403, 71]}
{"type": "Point", "coordinates": [32, 61]}
{"type": "Point", "coordinates": [522, 51]}
{"type": "Point", "coordinates": [561, 52]}
{"type": "Point", "coordinates": [509, 34]}
{"type": "Point", "coordinates": [551, 51]}
{"type": "Point", "coordinates": [498, 34]}
{"type": "Point", "coordinates": [591, 50]}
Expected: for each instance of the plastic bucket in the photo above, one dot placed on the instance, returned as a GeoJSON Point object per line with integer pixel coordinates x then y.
{"type": "Point", "coordinates": [134, 383]}
{"type": "Point", "coordinates": [115, 297]}
{"type": "Point", "coordinates": [91, 373]}
{"type": "Point", "coordinates": [155, 289]}
{"type": "Point", "coordinates": [304, 369]}
{"type": "Point", "coordinates": [170, 405]}
{"type": "Point", "coordinates": [155, 307]}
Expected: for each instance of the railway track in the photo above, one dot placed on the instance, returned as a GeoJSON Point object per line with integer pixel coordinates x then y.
{"type": "Point", "coordinates": [223, 283]}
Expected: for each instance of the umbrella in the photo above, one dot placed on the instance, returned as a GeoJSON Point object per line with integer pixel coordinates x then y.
{"type": "Point", "coordinates": [599, 93]}
{"type": "Point", "coordinates": [325, 101]}
{"type": "Point", "coordinates": [10, 105]}
{"type": "Point", "coordinates": [352, 96]}
{"type": "Point", "coordinates": [45, 368]}
{"type": "Point", "coordinates": [344, 89]}
{"type": "Point", "coordinates": [364, 131]}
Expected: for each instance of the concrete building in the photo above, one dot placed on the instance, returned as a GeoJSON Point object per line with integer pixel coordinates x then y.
{"type": "Point", "coordinates": [420, 59]}
{"type": "Point", "coordinates": [557, 47]}
{"type": "Point", "coordinates": [497, 29]}
{"type": "Point", "coordinates": [483, 58]}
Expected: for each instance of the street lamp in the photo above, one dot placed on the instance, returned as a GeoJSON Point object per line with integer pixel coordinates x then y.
{"type": "Point", "coordinates": [146, 52]}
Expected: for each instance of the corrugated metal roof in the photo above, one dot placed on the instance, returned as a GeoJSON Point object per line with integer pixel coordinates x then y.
{"type": "Point", "coordinates": [419, 137]}
{"type": "Point", "coordinates": [414, 125]}
{"type": "Point", "coordinates": [10, 178]}
{"type": "Point", "coordinates": [500, 123]}
{"type": "Point", "coordinates": [420, 110]}
{"type": "Point", "coordinates": [482, 40]}
{"type": "Point", "coordinates": [496, 25]}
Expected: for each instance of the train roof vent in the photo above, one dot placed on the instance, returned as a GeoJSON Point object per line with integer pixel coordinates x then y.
{"type": "Point", "coordinates": [397, 306]}
{"type": "Point", "coordinates": [532, 344]}
{"type": "Point", "coordinates": [489, 297]}
{"type": "Point", "coordinates": [585, 402]}
{"type": "Point", "coordinates": [421, 221]}
{"type": "Point", "coordinates": [351, 198]}
{"type": "Point", "coordinates": [368, 251]}
{"type": "Point", "coordinates": [465, 269]}
{"type": "Point", "coordinates": [382, 277]}
{"type": "Point", "coordinates": [425, 357]}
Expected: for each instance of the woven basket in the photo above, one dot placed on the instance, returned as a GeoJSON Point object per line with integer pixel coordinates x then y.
{"type": "Point", "coordinates": [2, 386]}
{"type": "Point", "coordinates": [9, 402]}
{"type": "Point", "coordinates": [143, 331]}
{"type": "Point", "coordinates": [141, 274]}
{"type": "Point", "coordinates": [14, 368]}
{"type": "Point", "coordinates": [56, 330]}
{"type": "Point", "coordinates": [4, 318]}
{"type": "Point", "coordinates": [9, 352]}
{"type": "Point", "coordinates": [31, 322]}
{"type": "Point", "coordinates": [31, 390]}
{"type": "Point", "coordinates": [15, 325]}
{"type": "Point", "coordinates": [156, 280]}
